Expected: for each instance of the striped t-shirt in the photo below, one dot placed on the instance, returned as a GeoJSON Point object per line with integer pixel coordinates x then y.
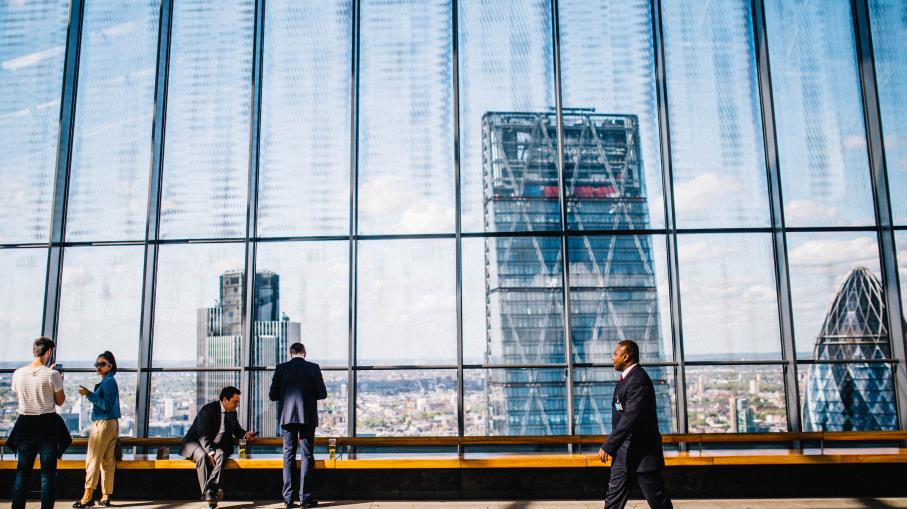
{"type": "Point", "coordinates": [35, 388]}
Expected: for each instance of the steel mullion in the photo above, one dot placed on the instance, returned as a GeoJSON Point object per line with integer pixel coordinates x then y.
{"type": "Point", "coordinates": [670, 214]}
{"type": "Point", "coordinates": [354, 222]}
{"type": "Point", "coordinates": [152, 224]}
{"type": "Point", "coordinates": [779, 231]}
{"type": "Point", "coordinates": [53, 280]}
{"type": "Point", "coordinates": [251, 246]}
{"type": "Point", "coordinates": [562, 197]}
{"type": "Point", "coordinates": [881, 201]}
{"type": "Point", "coordinates": [458, 226]}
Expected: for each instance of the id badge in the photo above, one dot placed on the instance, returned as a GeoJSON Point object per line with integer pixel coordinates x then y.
{"type": "Point", "coordinates": [618, 407]}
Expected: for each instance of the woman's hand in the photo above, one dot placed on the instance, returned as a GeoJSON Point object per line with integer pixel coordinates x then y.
{"type": "Point", "coordinates": [83, 391]}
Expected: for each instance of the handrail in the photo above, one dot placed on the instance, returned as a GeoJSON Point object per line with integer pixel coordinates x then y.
{"type": "Point", "coordinates": [436, 441]}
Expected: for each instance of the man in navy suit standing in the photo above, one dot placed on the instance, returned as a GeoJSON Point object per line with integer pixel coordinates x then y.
{"type": "Point", "coordinates": [296, 387]}
{"type": "Point", "coordinates": [634, 442]}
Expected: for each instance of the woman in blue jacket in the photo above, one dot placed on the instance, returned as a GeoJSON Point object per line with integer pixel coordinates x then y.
{"type": "Point", "coordinates": [105, 429]}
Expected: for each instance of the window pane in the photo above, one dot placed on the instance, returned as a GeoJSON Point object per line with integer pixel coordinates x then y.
{"type": "Point", "coordinates": [900, 240]}
{"type": "Point", "coordinates": [513, 300]}
{"type": "Point", "coordinates": [304, 169]}
{"type": "Point", "coordinates": [838, 298]}
{"type": "Point", "coordinates": [716, 128]}
{"type": "Point", "coordinates": [889, 23]}
{"type": "Point", "coordinates": [594, 387]}
{"type": "Point", "coordinates": [736, 399]}
{"type": "Point", "coordinates": [409, 402]}
{"type": "Point", "coordinates": [848, 397]}
{"type": "Point", "coordinates": [405, 138]}
{"type": "Point", "coordinates": [108, 189]}
{"type": "Point", "coordinates": [407, 302]}
{"type": "Point", "coordinates": [332, 412]}
{"type": "Point", "coordinates": [177, 396]}
{"type": "Point", "coordinates": [100, 305]}
{"type": "Point", "coordinates": [515, 402]}
{"type": "Point", "coordinates": [608, 64]}
{"type": "Point", "coordinates": [309, 294]}
{"type": "Point", "coordinates": [206, 160]}
{"type": "Point", "coordinates": [23, 272]}
{"type": "Point", "coordinates": [199, 306]}
{"type": "Point", "coordinates": [729, 297]}
{"type": "Point", "coordinates": [32, 47]}
{"type": "Point", "coordinates": [819, 113]}
{"type": "Point", "coordinates": [619, 290]}
{"type": "Point", "coordinates": [9, 404]}
{"type": "Point", "coordinates": [76, 411]}
{"type": "Point", "coordinates": [506, 66]}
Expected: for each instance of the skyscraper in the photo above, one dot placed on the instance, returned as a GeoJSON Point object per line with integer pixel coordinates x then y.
{"type": "Point", "coordinates": [860, 396]}
{"type": "Point", "coordinates": [613, 284]}
{"type": "Point", "coordinates": [220, 343]}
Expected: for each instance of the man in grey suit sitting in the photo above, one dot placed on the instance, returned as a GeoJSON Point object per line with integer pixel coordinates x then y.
{"type": "Point", "coordinates": [296, 387]}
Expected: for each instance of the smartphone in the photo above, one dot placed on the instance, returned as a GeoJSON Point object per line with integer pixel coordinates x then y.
{"type": "Point", "coordinates": [59, 367]}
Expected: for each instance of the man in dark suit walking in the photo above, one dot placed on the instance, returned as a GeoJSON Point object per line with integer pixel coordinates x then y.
{"type": "Point", "coordinates": [209, 442]}
{"type": "Point", "coordinates": [634, 442]}
{"type": "Point", "coordinates": [296, 387]}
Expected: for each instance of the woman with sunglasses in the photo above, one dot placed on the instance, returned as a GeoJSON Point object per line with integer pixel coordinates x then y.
{"type": "Point", "coordinates": [105, 428]}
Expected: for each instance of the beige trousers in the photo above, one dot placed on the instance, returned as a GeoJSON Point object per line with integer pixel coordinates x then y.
{"type": "Point", "coordinates": [99, 461]}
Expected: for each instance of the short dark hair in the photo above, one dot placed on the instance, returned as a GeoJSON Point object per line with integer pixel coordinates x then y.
{"type": "Point", "coordinates": [632, 348]}
{"type": "Point", "coordinates": [41, 345]}
{"type": "Point", "coordinates": [107, 355]}
{"type": "Point", "coordinates": [228, 392]}
{"type": "Point", "coordinates": [297, 348]}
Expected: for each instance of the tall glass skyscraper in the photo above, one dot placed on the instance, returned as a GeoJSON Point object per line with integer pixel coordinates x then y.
{"type": "Point", "coordinates": [614, 295]}
{"type": "Point", "coordinates": [853, 396]}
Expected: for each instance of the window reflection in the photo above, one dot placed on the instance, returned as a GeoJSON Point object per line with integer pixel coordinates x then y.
{"type": "Point", "coordinates": [504, 67]}
{"type": "Point", "coordinates": [716, 128]}
{"type": "Point", "coordinates": [32, 47]}
{"type": "Point", "coordinates": [332, 412]}
{"type": "Point", "coordinates": [515, 402]}
{"type": "Point", "coordinates": [305, 119]}
{"type": "Point", "coordinates": [608, 66]}
{"type": "Point", "coordinates": [405, 138]}
{"type": "Point", "coordinates": [594, 387]}
{"type": "Point", "coordinates": [819, 113]}
{"type": "Point", "coordinates": [100, 305]}
{"type": "Point", "coordinates": [729, 297]}
{"type": "Point", "coordinates": [76, 411]}
{"type": "Point", "coordinates": [889, 46]}
{"type": "Point", "coordinates": [108, 190]}
{"type": "Point", "coordinates": [21, 303]}
{"type": "Point", "coordinates": [206, 161]}
{"type": "Point", "coordinates": [177, 396]}
{"type": "Point", "coordinates": [847, 397]}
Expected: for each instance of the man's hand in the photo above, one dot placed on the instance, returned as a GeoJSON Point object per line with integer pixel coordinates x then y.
{"type": "Point", "coordinates": [602, 456]}
{"type": "Point", "coordinates": [250, 436]}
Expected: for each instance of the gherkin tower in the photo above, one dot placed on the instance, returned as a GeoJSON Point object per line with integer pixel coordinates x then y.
{"type": "Point", "coordinates": [853, 396]}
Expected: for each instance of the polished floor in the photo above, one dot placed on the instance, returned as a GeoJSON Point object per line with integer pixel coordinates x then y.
{"type": "Point", "coordinates": [805, 503]}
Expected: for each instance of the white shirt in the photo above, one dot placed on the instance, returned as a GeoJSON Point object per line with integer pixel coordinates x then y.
{"type": "Point", "coordinates": [626, 372]}
{"type": "Point", "coordinates": [35, 388]}
{"type": "Point", "coordinates": [220, 432]}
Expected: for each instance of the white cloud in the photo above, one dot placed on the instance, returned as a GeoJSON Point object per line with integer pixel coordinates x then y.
{"type": "Point", "coordinates": [809, 212]}
{"type": "Point", "coordinates": [388, 197]}
{"type": "Point", "coordinates": [852, 252]}
{"type": "Point", "coordinates": [701, 192]}
{"type": "Point", "coordinates": [855, 142]}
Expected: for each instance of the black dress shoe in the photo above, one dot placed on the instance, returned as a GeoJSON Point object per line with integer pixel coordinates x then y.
{"type": "Point", "coordinates": [78, 503]}
{"type": "Point", "coordinates": [310, 503]}
{"type": "Point", "coordinates": [104, 502]}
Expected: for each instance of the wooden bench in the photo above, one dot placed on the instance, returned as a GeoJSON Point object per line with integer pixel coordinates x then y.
{"type": "Point", "coordinates": [785, 455]}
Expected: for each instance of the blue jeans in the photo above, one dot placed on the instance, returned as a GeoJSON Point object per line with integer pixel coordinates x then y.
{"type": "Point", "coordinates": [293, 436]}
{"type": "Point", "coordinates": [27, 453]}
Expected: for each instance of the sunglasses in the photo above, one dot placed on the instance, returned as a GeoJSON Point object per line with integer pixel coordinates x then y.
{"type": "Point", "coordinates": [101, 364]}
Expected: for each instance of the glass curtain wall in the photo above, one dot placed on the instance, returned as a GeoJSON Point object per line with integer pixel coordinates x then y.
{"type": "Point", "coordinates": [422, 194]}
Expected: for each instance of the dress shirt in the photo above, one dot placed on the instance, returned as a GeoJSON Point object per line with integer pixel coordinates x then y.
{"type": "Point", "coordinates": [223, 416]}
{"type": "Point", "coordinates": [627, 371]}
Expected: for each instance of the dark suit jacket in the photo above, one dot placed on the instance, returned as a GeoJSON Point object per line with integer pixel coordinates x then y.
{"type": "Point", "coordinates": [634, 437]}
{"type": "Point", "coordinates": [205, 427]}
{"type": "Point", "coordinates": [296, 387]}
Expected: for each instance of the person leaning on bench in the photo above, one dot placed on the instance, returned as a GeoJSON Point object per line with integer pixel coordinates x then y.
{"type": "Point", "coordinates": [209, 442]}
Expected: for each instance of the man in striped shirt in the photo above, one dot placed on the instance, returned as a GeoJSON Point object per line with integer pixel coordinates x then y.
{"type": "Point", "coordinates": [40, 390]}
